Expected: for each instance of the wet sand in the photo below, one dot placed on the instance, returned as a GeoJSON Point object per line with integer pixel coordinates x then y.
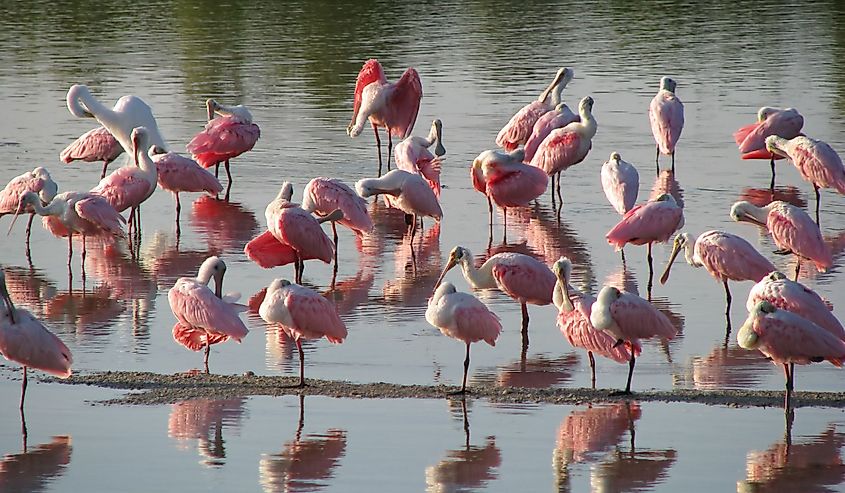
{"type": "Point", "coordinates": [154, 388]}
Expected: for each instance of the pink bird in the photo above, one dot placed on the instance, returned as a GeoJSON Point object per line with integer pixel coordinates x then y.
{"type": "Point", "coordinates": [793, 296]}
{"type": "Point", "coordinates": [655, 220]}
{"type": "Point", "coordinates": [620, 182]}
{"type": "Point", "coordinates": [506, 180]}
{"type": "Point", "coordinates": [523, 278]}
{"type": "Point", "coordinates": [559, 117]}
{"type": "Point", "coordinates": [412, 155]}
{"type": "Point", "coordinates": [94, 145]}
{"type": "Point", "coordinates": [567, 146]}
{"type": "Point", "coordinates": [751, 139]}
{"type": "Point", "coordinates": [628, 318]}
{"type": "Point", "coordinates": [666, 114]}
{"type": "Point", "coordinates": [817, 162]}
{"type": "Point", "coordinates": [129, 186]}
{"type": "Point", "coordinates": [302, 313]}
{"type": "Point", "coordinates": [463, 317]}
{"type": "Point", "coordinates": [25, 340]}
{"type": "Point", "coordinates": [791, 228]}
{"type": "Point", "coordinates": [391, 105]}
{"type": "Point", "coordinates": [71, 213]}
{"type": "Point", "coordinates": [323, 196]}
{"type": "Point", "coordinates": [227, 136]}
{"type": "Point", "coordinates": [197, 308]}
{"type": "Point", "coordinates": [520, 126]}
{"type": "Point", "coordinates": [408, 192]}
{"type": "Point", "coordinates": [573, 320]}
{"type": "Point", "coordinates": [726, 256]}
{"type": "Point", "coordinates": [177, 173]}
{"type": "Point", "coordinates": [293, 235]}
{"type": "Point", "coordinates": [787, 338]}
{"type": "Point", "coordinates": [37, 181]}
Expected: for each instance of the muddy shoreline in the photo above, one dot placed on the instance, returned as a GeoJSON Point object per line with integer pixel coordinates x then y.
{"type": "Point", "coordinates": [154, 388]}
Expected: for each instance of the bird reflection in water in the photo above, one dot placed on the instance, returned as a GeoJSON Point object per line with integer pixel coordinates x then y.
{"type": "Point", "coordinates": [586, 434]}
{"type": "Point", "coordinates": [726, 368]}
{"type": "Point", "coordinates": [537, 372]}
{"type": "Point", "coordinates": [305, 463]}
{"type": "Point", "coordinates": [226, 226]}
{"type": "Point", "coordinates": [678, 321]}
{"type": "Point", "coordinates": [90, 314]}
{"type": "Point", "coordinates": [666, 183]}
{"type": "Point", "coordinates": [203, 420]}
{"type": "Point", "coordinates": [467, 468]}
{"type": "Point", "coordinates": [29, 286]}
{"type": "Point", "coordinates": [762, 197]}
{"type": "Point", "coordinates": [35, 470]}
{"type": "Point", "coordinates": [167, 262]}
{"type": "Point", "coordinates": [623, 279]}
{"type": "Point", "coordinates": [417, 270]}
{"type": "Point", "coordinates": [814, 465]}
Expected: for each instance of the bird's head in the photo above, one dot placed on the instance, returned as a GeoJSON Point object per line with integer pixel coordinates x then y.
{"type": "Point", "coordinates": [668, 84]}
{"type": "Point", "coordinates": [747, 337]}
{"type": "Point", "coordinates": [680, 243]}
{"type": "Point", "coordinates": [27, 200]}
{"type": "Point", "coordinates": [213, 268]}
{"type": "Point", "coordinates": [765, 112]}
{"type": "Point", "coordinates": [743, 211]}
{"type": "Point", "coordinates": [776, 275]}
{"type": "Point", "coordinates": [458, 255]}
{"type": "Point", "coordinates": [614, 156]}
{"type": "Point", "coordinates": [586, 105]}
{"type": "Point", "coordinates": [140, 141]}
{"type": "Point", "coordinates": [211, 106]}
{"type": "Point", "coordinates": [437, 130]}
{"type": "Point", "coordinates": [775, 145]}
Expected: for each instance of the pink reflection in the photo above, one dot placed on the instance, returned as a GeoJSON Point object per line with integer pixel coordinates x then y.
{"type": "Point", "coordinates": [203, 420]}
{"type": "Point", "coordinates": [728, 368]}
{"type": "Point", "coordinates": [167, 262]}
{"type": "Point", "coordinates": [36, 469]}
{"type": "Point", "coordinates": [586, 432]}
{"type": "Point", "coordinates": [90, 312]}
{"type": "Point", "coordinates": [666, 183]}
{"type": "Point", "coordinates": [418, 266]}
{"type": "Point", "coordinates": [465, 469]}
{"type": "Point", "coordinates": [125, 277]}
{"type": "Point", "coordinates": [836, 243]}
{"type": "Point", "coordinates": [226, 226]}
{"type": "Point", "coordinates": [536, 373]}
{"type": "Point", "coordinates": [305, 464]}
{"type": "Point", "coordinates": [638, 470]}
{"type": "Point", "coordinates": [28, 286]}
{"type": "Point", "coordinates": [813, 466]}
{"type": "Point", "coordinates": [623, 279]}
{"type": "Point", "coordinates": [761, 197]}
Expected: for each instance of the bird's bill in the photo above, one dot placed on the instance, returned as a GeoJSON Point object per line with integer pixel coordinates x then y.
{"type": "Point", "coordinates": [439, 150]}
{"type": "Point", "coordinates": [564, 286]}
{"type": "Point", "coordinates": [545, 94]}
{"type": "Point", "coordinates": [452, 262]}
{"type": "Point", "coordinates": [218, 284]}
{"type": "Point", "coordinates": [21, 207]}
{"type": "Point", "coordinates": [748, 218]}
{"type": "Point", "coordinates": [4, 293]}
{"type": "Point", "coordinates": [210, 107]}
{"type": "Point", "coordinates": [676, 249]}
{"type": "Point", "coordinates": [135, 146]}
{"type": "Point", "coordinates": [388, 191]}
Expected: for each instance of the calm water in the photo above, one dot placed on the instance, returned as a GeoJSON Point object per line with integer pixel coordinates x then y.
{"type": "Point", "coordinates": [294, 66]}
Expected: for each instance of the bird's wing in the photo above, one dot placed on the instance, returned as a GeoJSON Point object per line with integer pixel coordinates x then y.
{"type": "Point", "coordinates": [666, 114]}
{"type": "Point", "coordinates": [404, 103]}
{"type": "Point", "coordinates": [560, 150]}
{"type": "Point", "coordinates": [787, 333]}
{"type": "Point", "coordinates": [94, 145]}
{"type": "Point", "coordinates": [195, 338]}
{"type": "Point", "coordinates": [314, 315]}
{"type": "Point", "coordinates": [639, 319]}
{"type": "Point", "coordinates": [477, 322]}
{"type": "Point", "coordinates": [580, 333]}
{"type": "Point", "coordinates": [197, 306]}
{"type": "Point", "coordinates": [520, 126]}
{"type": "Point", "coordinates": [370, 72]}
{"type": "Point", "coordinates": [268, 252]}
{"type": "Point", "coordinates": [301, 231]}
{"type": "Point", "coordinates": [798, 233]}
{"type": "Point", "coordinates": [729, 256]}
{"type": "Point", "coordinates": [179, 173]}
{"type": "Point", "coordinates": [98, 211]}
{"type": "Point", "coordinates": [31, 344]}
{"type": "Point", "coordinates": [525, 278]}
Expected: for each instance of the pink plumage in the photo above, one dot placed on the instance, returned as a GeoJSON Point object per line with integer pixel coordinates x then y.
{"type": "Point", "coordinates": [594, 429]}
{"type": "Point", "coordinates": [729, 257]}
{"type": "Point", "coordinates": [506, 180]}
{"type": "Point", "coordinates": [413, 155]}
{"type": "Point", "coordinates": [576, 327]}
{"type": "Point", "coordinates": [323, 195]}
{"type": "Point", "coordinates": [194, 338]}
{"type": "Point", "coordinates": [409, 192]}
{"type": "Point", "coordinates": [223, 138]}
{"type": "Point", "coordinates": [94, 145]}
{"type": "Point", "coordinates": [30, 344]}
{"type": "Point", "coordinates": [559, 117]}
{"type": "Point", "coordinates": [646, 223]}
{"type": "Point", "coordinates": [519, 127]}
{"type": "Point", "coordinates": [298, 229]}
{"type": "Point", "coordinates": [124, 188]}
{"type": "Point", "coordinates": [180, 174]}
{"type": "Point", "coordinates": [37, 181]}
{"type": "Point", "coordinates": [620, 182]}
{"type": "Point", "coordinates": [266, 251]}
{"type": "Point", "coordinates": [794, 297]}
{"type": "Point", "coordinates": [817, 162]}
{"type": "Point", "coordinates": [523, 278]}
{"type": "Point", "coordinates": [793, 230]}
{"type": "Point", "coordinates": [393, 106]}
{"type": "Point", "coordinates": [751, 139]}
{"type": "Point", "coordinates": [567, 146]}
{"type": "Point", "coordinates": [666, 114]}
{"type": "Point", "coordinates": [636, 318]}
{"type": "Point", "coordinates": [788, 338]}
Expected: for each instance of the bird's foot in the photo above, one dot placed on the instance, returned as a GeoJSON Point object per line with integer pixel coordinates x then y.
{"type": "Point", "coordinates": [618, 393]}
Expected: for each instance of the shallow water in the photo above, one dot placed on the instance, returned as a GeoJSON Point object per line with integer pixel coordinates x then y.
{"type": "Point", "coordinates": [479, 62]}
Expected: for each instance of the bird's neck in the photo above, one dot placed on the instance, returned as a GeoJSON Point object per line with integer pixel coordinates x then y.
{"type": "Point", "coordinates": [690, 256]}
{"type": "Point", "coordinates": [479, 277]}
{"type": "Point", "coordinates": [588, 122]}
{"type": "Point", "coordinates": [559, 298]}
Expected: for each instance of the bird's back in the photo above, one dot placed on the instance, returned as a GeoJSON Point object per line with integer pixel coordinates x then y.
{"type": "Point", "coordinates": [180, 174]}
{"type": "Point", "coordinates": [523, 278]}
{"type": "Point", "coordinates": [727, 256]}
{"type": "Point", "coordinates": [97, 144]}
{"type": "Point", "coordinates": [30, 344]}
{"type": "Point", "coordinates": [666, 114]}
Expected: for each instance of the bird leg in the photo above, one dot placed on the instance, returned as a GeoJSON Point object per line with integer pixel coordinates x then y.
{"type": "Point", "coordinates": [630, 373]}
{"type": "Point", "coordinates": [727, 310]}
{"type": "Point", "coordinates": [657, 161]}
{"type": "Point", "coordinates": [505, 226]}
{"type": "Point", "coordinates": [298, 267]}
{"type": "Point", "coordinates": [217, 170]}
{"type": "Point", "coordinates": [788, 372]}
{"type": "Point", "coordinates": [378, 147]}
{"type": "Point", "coordinates": [29, 229]}
{"type": "Point", "coordinates": [559, 196]}
{"type": "Point", "coordinates": [84, 254]}
{"type": "Point", "coordinates": [23, 390]}
{"type": "Point", "coordinates": [772, 185]}
{"type": "Point", "coordinates": [797, 267]}
{"type": "Point", "coordinates": [623, 255]}
{"type": "Point", "coordinates": [301, 423]}
{"type": "Point", "coordinates": [69, 250]}
{"type": "Point", "coordinates": [466, 370]}
{"type": "Point", "coordinates": [228, 173]}
{"type": "Point", "coordinates": [592, 368]}
{"type": "Point", "coordinates": [389, 147]}
{"type": "Point", "coordinates": [207, 352]}
{"type": "Point", "coordinates": [301, 363]}
{"type": "Point", "coordinates": [105, 167]}
{"type": "Point", "coordinates": [524, 325]}
{"type": "Point", "coordinates": [818, 200]}
{"type": "Point", "coordinates": [673, 162]}
{"type": "Point", "coordinates": [552, 191]}
{"type": "Point", "coordinates": [650, 272]}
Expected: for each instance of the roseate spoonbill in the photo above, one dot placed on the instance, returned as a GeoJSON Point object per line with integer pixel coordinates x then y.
{"type": "Point", "coordinates": [72, 213]}
{"type": "Point", "coordinates": [628, 318]}
{"type": "Point", "coordinates": [225, 137]}
{"type": "Point", "coordinates": [666, 114]}
{"type": "Point", "coordinates": [751, 139]}
{"type": "Point", "coordinates": [392, 105]}
{"type": "Point", "coordinates": [128, 113]}
{"type": "Point", "coordinates": [38, 181]}
{"type": "Point", "coordinates": [507, 181]}
{"type": "Point", "coordinates": [523, 278]}
{"type": "Point", "coordinates": [793, 296]}
{"type": "Point", "coordinates": [559, 117]}
{"type": "Point", "coordinates": [573, 320]}
{"type": "Point", "coordinates": [726, 256]}
{"type": "Point", "coordinates": [97, 144]}
{"type": "Point", "coordinates": [323, 196]}
{"type": "Point", "coordinates": [409, 193]}
{"type": "Point", "coordinates": [463, 317]}
{"type": "Point", "coordinates": [413, 156]}
{"type": "Point", "coordinates": [520, 126]}
{"type": "Point", "coordinates": [817, 162]}
{"type": "Point", "coordinates": [792, 229]}
{"type": "Point", "coordinates": [302, 313]}
{"type": "Point", "coordinates": [787, 338]}
{"type": "Point", "coordinates": [646, 223]}
{"type": "Point", "coordinates": [567, 146]}
{"type": "Point", "coordinates": [177, 173]}
{"type": "Point", "coordinates": [196, 306]}
{"type": "Point", "coordinates": [293, 235]}
{"type": "Point", "coordinates": [25, 340]}
{"type": "Point", "coordinates": [129, 186]}
{"type": "Point", "coordinates": [621, 183]}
